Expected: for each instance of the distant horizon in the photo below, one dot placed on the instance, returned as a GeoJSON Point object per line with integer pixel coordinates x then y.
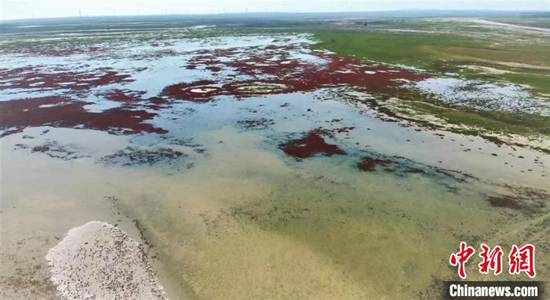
{"type": "Point", "coordinates": [381, 11]}
{"type": "Point", "coordinates": [11, 10]}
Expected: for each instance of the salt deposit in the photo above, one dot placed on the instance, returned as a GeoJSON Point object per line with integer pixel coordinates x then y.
{"type": "Point", "coordinates": [100, 261]}
{"type": "Point", "coordinates": [485, 96]}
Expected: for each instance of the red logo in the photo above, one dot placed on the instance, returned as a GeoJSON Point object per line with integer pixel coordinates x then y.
{"type": "Point", "coordinates": [520, 260]}
{"type": "Point", "coordinates": [461, 258]}
{"type": "Point", "coordinates": [490, 260]}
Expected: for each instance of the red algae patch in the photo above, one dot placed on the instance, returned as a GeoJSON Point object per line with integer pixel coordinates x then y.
{"type": "Point", "coordinates": [198, 91]}
{"type": "Point", "coordinates": [277, 72]}
{"type": "Point", "coordinates": [125, 96]}
{"type": "Point", "coordinates": [368, 164]}
{"type": "Point", "coordinates": [265, 64]}
{"type": "Point", "coordinates": [310, 145]}
{"type": "Point", "coordinates": [157, 103]}
{"type": "Point", "coordinates": [65, 112]}
{"type": "Point", "coordinates": [34, 78]}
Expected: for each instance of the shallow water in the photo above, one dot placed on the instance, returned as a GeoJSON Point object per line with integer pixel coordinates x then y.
{"type": "Point", "coordinates": [230, 215]}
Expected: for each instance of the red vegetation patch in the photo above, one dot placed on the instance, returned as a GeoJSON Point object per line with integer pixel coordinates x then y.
{"type": "Point", "coordinates": [157, 103]}
{"type": "Point", "coordinates": [351, 71]}
{"type": "Point", "coordinates": [67, 113]}
{"type": "Point", "coordinates": [31, 78]}
{"type": "Point", "coordinates": [198, 91]}
{"type": "Point", "coordinates": [264, 64]}
{"type": "Point", "coordinates": [125, 96]}
{"type": "Point", "coordinates": [310, 145]}
{"type": "Point", "coordinates": [214, 69]}
{"type": "Point", "coordinates": [368, 164]}
{"type": "Point", "coordinates": [274, 66]}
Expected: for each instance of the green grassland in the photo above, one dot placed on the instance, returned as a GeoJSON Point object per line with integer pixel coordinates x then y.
{"type": "Point", "coordinates": [447, 46]}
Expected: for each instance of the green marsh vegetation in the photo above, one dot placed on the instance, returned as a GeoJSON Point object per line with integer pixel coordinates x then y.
{"type": "Point", "coordinates": [455, 47]}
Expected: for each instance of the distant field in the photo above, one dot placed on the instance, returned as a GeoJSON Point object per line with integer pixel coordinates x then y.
{"type": "Point", "coordinates": [449, 46]}
{"type": "Point", "coordinates": [543, 22]}
{"type": "Point", "coordinates": [446, 46]}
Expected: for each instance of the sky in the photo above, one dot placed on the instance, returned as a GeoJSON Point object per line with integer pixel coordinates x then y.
{"type": "Point", "coordinates": [22, 9]}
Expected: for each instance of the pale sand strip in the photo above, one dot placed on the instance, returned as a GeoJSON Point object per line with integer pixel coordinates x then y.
{"type": "Point", "coordinates": [100, 261]}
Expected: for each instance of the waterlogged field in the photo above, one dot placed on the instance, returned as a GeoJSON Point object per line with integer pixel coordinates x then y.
{"type": "Point", "coordinates": [257, 164]}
